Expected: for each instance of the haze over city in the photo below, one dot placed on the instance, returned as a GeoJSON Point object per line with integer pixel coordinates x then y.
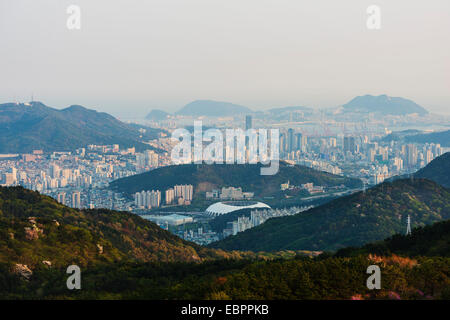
{"type": "Point", "coordinates": [126, 59]}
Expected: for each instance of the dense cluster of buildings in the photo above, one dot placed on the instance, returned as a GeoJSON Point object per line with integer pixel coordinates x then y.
{"type": "Point", "coordinates": [310, 187]}
{"type": "Point", "coordinates": [358, 156]}
{"type": "Point", "coordinates": [147, 199]}
{"type": "Point", "coordinates": [178, 195]}
{"type": "Point", "coordinates": [229, 193]}
{"type": "Point", "coordinates": [79, 179]}
{"type": "Point", "coordinates": [258, 217]}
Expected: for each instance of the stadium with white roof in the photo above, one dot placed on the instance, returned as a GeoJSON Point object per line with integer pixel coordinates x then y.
{"type": "Point", "coordinates": [225, 207]}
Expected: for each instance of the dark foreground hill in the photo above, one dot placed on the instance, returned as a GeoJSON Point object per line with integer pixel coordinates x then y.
{"type": "Point", "coordinates": [437, 170]}
{"type": "Point", "coordinates": [430, 241]}
{"type": "Point", "coordinates": [24, 128]}
{"type": "Point", "coordinates": [35, 228]}
{"type": "Point", "coordinates": [342, 276]}
{"type": "Point", "coordinates": [354, 220]}
{"type": "Point", "coordinates": [206, 177]}
{"type": "Point", "coordinates": [124, 257]}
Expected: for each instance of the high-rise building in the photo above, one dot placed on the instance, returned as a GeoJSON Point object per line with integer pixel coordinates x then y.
{"type": "Point", "coordinates": [283, 143]}
{"type": "Point", "coordinates": [8, 179]}
{"type": "Point", "coordinates": [304, 143]}
{"type": "Point", "coordinates": [151, 158]}
{"type": "Point", "coordinates": [349, 144]}
{"type": "Point", "coordinates": [290, 140]}
{"type": "Point", "coordinates": [398, 164]}
{"type": "Point", "coordinates": [298, 145]}
{"type": "Point", "coordinates": [147, 199]}
{"type": "Point", "coordinates": [54, 171]}
{"type": "Point", "coordinates": [61, 197]}
{"type": "Point", "coordinates": [170, 196]}
{"type": "Point", "coordinates": [231, 193]}
{"type": "Point", "coordinates": [184, 191]}
{"type": "Point", "coordinates": [248, 126]}
{"type": "Point", "coordinates": [333, 142]}
{"type": "Point", "coordinates": [76, 200]}
{"type": "Point", "coordinates": [411, 155]}
{"type": "Point", "coordinates": [248, 122]}
{"type": "Point", "coordinates": [138, 200]}
{"type": "Point", "coordinates": [429, 156]}
{"type": "Point", "coordinates": [153, 199]}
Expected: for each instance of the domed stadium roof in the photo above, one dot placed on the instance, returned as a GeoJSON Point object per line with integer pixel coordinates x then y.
{"type": "Point", "coordinates": [220, 208]}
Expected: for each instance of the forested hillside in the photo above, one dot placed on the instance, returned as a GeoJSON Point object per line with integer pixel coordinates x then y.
{"type": "Point", "coordinates": [353, 220]}
{"type": "Point", "coordinates": [35, 228]}
{"type": "Point", "coordinates": [206, 177]}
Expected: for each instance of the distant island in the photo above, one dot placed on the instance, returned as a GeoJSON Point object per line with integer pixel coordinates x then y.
{"type": "Point", "coordinates": [212, 108]}
{"type": "Point", "coordinates": [383, 104]}
{"type": "Point", "coordinates": [157, 115]}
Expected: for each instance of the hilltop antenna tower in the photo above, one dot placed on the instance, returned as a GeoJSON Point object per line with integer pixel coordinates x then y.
{"type": "Point", "coordinates": [408, 226]}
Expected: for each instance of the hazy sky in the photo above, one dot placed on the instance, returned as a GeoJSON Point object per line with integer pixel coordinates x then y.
{"type": "Point", "coordinates": [132, 55]}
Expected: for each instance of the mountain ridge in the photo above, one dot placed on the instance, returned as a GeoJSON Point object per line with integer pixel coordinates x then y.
{"type": "Point", "coordinates": [437, 170]}
{"type": "Point", "coordinates": [247, 176]}
{"type": "Point", "coordinates": [383, 104]}
{"type": "Point", "coordinates": [157, 115]}
{"type": "Point", "coordinates": [441, 137]}
{"type": "Point", "coordinates": [36, 228]}
{"type": "Point", "coordinates": [351, 220]}
{"type": "Point", "coordinates": [27, 127]}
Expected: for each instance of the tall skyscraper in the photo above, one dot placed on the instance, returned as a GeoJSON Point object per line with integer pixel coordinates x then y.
{"type": "Point", "coordinates": [298, 145]}
{"type": "Point", "coordinates": [147, 199]}
{"type": "Point", "coordinates": [184, 191]}
{"type": "Point", "coordinates": [248, 126]}
{"type": "Point", "coordinates": [349, 144]}
{"type": "Point", "coordinates": [411, 155]}
{"type": "Point", "coordinates": [61, 198]}
{"type": "Point", "coordinates": [248, 122]}
{"type": "Point", "coordinates": [170, 196]}
{"type": "Point", "coordinates": [54, 171]}
{"type": "Point", "coordinates": [282, 142]}
{"type": "Point", "coordinates": [290, 140]}
{"type": "Point", "coordinates": [76, 200]}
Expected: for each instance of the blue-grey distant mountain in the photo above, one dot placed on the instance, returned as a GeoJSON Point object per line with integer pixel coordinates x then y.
{"type": "Point", "coordinates": [157, 115]}
{"type": "Point", "coordinates": [291, 109]}
{"type": "Point", "coordinates": [384, 104]}
{"type": "Point", "coordinates": [291, 113]}
{"type": "Point", "coordinates": [26, 127]}
{"type": "Point", "coordinates": [212, 108]}
{"type": "Point", "coordinates": [441, 137]}
{"type": "Point", "coordinates": [399, 135]}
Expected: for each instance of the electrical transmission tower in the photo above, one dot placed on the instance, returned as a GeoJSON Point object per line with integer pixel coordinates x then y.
{"type": "Point", "coordinates": [408, 227]}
